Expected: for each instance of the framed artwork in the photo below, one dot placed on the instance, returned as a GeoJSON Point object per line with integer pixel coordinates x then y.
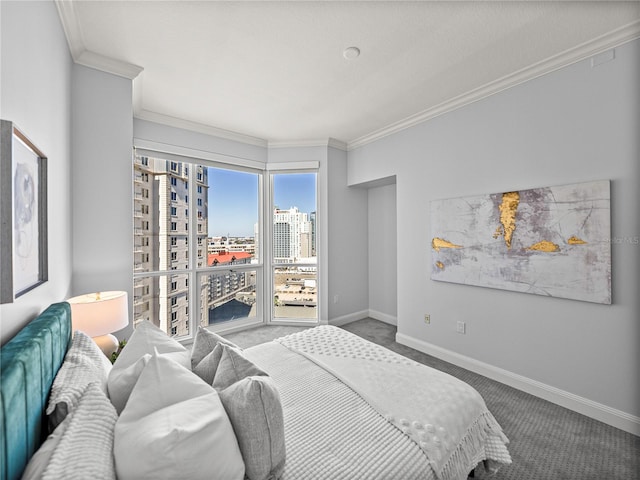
{"type": "Point", "coordinates": [23, 214]}
{"type": "Point", "coordinates": [552, 241]}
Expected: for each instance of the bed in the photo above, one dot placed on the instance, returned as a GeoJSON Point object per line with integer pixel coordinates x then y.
{"type": "Point", "coordinates": [319, 404]}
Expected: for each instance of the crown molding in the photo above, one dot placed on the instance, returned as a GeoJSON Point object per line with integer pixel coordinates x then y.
{"type": "Point", "coordinates": [108, 65]}
{"type": "Point", "coordinates": [198, 127]}
{"type": "Point", "coordinates": [588, 49]}
{"type": "Point", "coordinates": [80, 54]}
{"type": "Point", "coordinates": [334, 143]}
{"type": "Point", "coordinates": [71, 27]}
{"type": "Point", "coordinates": [327, 142]}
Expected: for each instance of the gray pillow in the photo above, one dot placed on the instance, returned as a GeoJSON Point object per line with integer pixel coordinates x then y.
{"type": "Point", "coordinates": [233, 367]}
{"type": "Point", "coordinates": [206, 368]}
{"type": "Point", "coordinates": [204, 343]}
{"type": "Point", "coordinates": [255, 410]}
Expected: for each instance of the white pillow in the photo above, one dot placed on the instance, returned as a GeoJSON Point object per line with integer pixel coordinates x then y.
{"type": "Point", "coordinates": [174, 426]}
{"type": "Point", "coordinates": [122, 380]}
{"type": "Point", "coordinates": [145, 340]}
{"type": "Point", "coordinates": [84, 363]}
{"type": "Point", "coordinates": [85, 447]}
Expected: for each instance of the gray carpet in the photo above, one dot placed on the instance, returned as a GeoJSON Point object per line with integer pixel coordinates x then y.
{"type": "Point", "coordinates": [548, 442]}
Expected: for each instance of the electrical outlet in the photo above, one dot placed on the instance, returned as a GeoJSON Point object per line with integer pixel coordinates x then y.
{"type": "Point", "coordinates": [461, 327]}
{"type": "Point", "coordinates": [336, 298]}
{"type": "Point", "coordinates": [427, 318]}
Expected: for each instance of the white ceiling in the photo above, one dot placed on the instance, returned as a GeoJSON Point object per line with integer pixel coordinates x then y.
{"type": "Point", "coordinates": [273, 72]}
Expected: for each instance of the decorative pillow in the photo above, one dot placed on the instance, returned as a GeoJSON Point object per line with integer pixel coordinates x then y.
{"type": "Point", "coordinates": [145, 340]}
{"type": "Point", "coordinates": [204, 343]}
{"type": "Point", "coordinates": [206, 368]}
{"type": "Point", "coordinates": [174, 426]}
{"type": "Point", "coordinates": [255, 410]}
{"type": "Point", "coordinates": [122, 380]}
{"type": "Point", "coordinates": [233, 366]}
{"type": "Point", "coordinates": [83, 448]}
{"type": "Point", "coordinates": [84, 363]}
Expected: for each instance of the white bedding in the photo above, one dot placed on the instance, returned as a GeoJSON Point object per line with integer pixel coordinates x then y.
{"type": "Point", "coordinates": [361, 411]}
{"type": "Point", "coordinates": [331, 433]}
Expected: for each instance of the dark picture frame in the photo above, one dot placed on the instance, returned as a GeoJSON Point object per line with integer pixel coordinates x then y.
{"type": "Point", "coordinates": [23, 214]}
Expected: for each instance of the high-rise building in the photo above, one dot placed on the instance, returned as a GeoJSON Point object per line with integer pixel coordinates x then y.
{"type": "Point", "coordinates": [162, 221]}
{"type": "Point", "coordinates": [291, 235]}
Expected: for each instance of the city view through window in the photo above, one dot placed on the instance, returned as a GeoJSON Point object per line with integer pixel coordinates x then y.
{"type": "Point", "coordinates": [196, 233]}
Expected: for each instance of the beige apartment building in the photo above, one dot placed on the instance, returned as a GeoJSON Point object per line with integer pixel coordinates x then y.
{"type": "Point", "coordinates": [161, 225]}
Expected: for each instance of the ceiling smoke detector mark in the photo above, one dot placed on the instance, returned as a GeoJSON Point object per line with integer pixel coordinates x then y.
{"type": "Point", "coordinates": [351, 52]}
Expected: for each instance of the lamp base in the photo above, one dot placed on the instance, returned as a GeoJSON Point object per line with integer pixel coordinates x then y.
{"type": "Point", "coordinates": [107, 343]}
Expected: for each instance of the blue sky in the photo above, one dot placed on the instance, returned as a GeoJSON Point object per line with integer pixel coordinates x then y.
{"type": "Point", "coordinates": [237, 192]}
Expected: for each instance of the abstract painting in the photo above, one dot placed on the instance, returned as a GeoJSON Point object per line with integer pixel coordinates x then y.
{"type": "Point", "coordinates": [23, 214]}
{"type": "Point", "coordinates": [552, 241]}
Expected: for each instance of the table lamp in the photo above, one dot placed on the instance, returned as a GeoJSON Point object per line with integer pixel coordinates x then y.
{"type": "Point", "coordinates": [98, 314]}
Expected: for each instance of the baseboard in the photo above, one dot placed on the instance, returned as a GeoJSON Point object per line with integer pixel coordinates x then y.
{"type": "Point", "coordinates": [351, 317]}
{"type": "Point", "coordinates": [384, 317]}
{"type": "Point", "coordinates": [597, 411]}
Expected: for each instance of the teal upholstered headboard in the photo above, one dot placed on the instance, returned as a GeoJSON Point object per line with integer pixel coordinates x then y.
{"type": "Point", "coordinates": [29, 362]}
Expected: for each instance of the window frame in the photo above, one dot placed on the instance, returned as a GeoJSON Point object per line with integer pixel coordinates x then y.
{"type": "Point", "coordinates": [264, 252]}
{"type": "Point", "coordinates": [280, 169]}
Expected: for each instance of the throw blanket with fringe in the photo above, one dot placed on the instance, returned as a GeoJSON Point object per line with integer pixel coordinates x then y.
{"type": "Point", "coordinates": [444, 416]}
{"type": "Point", "coordinates": [331, 432]}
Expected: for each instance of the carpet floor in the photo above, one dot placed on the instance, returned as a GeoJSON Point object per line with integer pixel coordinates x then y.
{"type": "Point", "coordinates": [547, 442]}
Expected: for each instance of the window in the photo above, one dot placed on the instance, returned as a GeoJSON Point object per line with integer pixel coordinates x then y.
{"type": "Point", "coordinates": [294, 270]}
{"type": "Point", "coordinates": [200, 248]}
{"type": "Point", "coordinates": [183, 221]}
{"type": "Point", "coordinates": [234, 217]}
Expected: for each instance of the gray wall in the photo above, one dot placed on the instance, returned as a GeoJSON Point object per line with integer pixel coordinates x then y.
{"type": "Point", "coordinates": [102, 121]}
{"type": "Point", "coordinates": [383, 253]}
{"type": "Point", "coordinates": [35, 94]}
{"type": "Point", "coordinates": [574, 125]}
{"type": "Point", "coordinates": [177, 137]}
{"type": "Point", "coordinates": [347, 243]}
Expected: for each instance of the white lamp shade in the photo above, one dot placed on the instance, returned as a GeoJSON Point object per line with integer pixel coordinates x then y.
{"type": "Point", "coordinates": [99, 313]}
